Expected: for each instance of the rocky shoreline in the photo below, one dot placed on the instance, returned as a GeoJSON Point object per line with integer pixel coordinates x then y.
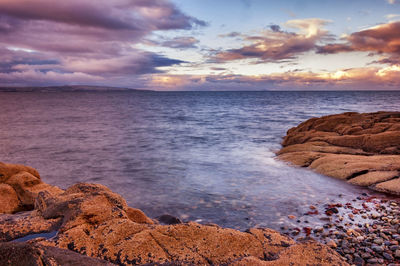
{"type": "Point", "coordinates": [88, 224]}
{"type": "Point", "coordinates": [365, 231]}
{"type": "Point", "coordinates": [88, 221]}
{"type": "Point", "coordinates": [362, 149]}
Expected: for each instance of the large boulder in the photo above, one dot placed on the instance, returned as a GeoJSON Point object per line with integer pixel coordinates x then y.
{"type": "Point", "coordinates": [363, 149]}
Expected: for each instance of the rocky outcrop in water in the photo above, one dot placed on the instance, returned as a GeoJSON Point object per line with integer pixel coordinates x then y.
{"type": "Point", "coordinates": [363, 149]}
{"type": "Point", "coordinates": [92, 220]}
{"type": "Point", "coordinates": [19, 187]}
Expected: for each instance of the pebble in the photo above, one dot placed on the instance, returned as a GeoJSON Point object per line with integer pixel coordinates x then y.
{"type": "Point", "coordinates": [366, 255]}
{"type": "Point", "coordinates": [331, 244]}
{"type": "Point", "coordinates": [377, 248]}
{"type": "Point", "coordinates": [358, 260]}
{"type": "Point", "coordinates": [318, 229]}
{"type": "Point", "coordinates": [394, 247]}
{"type": "Point", "coordinates": [366, 231]}
{"type": "Point", "coordinates": [397, 253]}
{"type": "Point", "coordinates": [387, 256]}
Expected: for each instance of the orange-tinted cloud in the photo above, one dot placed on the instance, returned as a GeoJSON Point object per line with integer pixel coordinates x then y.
{"type": "Point", "coordinates": [356, 78]}
{"type": "Point", "coordinates": [276, 45]}
{"type": "Point", "coordinates": [381, 39]}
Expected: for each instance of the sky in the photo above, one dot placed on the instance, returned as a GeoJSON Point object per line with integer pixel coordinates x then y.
{"type": "Point", "coordinates": [202, 44]}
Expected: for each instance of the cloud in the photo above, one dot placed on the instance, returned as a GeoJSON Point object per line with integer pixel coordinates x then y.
{"type": "Point", "coordinates": [86, 39]}
{"type": "Point", "coordinates": [345, 79]}
{"type": "Point", "coordinates": [392, 16]}
{"type": "Point", "coordinates": [274, 45]}
{"type": "Point", "coordinates": [275, 28]}
{"type": "Point", "coordinates": [380, 39]}
{"type": "Point", "coordinates": [116, 14]}
{"type": "Point", "coordinates": [176, 43]}
{"type": "Point", "coordinates": [29, 77]}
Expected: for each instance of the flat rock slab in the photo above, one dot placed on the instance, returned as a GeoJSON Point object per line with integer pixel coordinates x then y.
{"type": "Point", "coordinates": [362, 149]}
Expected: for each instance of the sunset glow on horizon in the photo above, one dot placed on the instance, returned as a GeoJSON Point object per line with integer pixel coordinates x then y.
{"type": "Point", "coordinates": [201, 45]}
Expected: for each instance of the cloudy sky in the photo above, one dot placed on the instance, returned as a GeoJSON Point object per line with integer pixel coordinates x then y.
{"type": "Point", "coordinates": [202, 44]}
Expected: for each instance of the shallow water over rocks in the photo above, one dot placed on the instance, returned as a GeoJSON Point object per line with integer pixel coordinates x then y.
{"type": "Point", "coordinates": [201, 156]}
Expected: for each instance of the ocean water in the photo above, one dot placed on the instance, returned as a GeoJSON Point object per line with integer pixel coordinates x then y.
{"type": "Point", "coordinates": [202, 156]}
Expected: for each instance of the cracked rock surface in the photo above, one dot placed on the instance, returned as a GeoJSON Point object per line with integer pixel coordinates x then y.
{"type": "Point", "coordinates": [362, 149]}
{"type": "Point", "coordinates": [91, 220]}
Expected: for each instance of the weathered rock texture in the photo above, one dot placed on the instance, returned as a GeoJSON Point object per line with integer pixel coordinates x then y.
{"type": "Point", "coordinates": [19, 186]}
{"type": "Point", "coordinates": [92, 220]}
{"type": "Point", "coordinates": [363, 149]}
{"type": "Point", "coordinates": [33, 254]}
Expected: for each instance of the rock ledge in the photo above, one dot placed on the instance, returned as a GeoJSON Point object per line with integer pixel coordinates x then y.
{"type": "Point", "coordinates": [362, 149]}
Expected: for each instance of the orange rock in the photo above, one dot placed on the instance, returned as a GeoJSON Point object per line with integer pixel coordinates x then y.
{"type": "Point", "coordinates": [309, 253]}
{"type": "Point", "coordinates": [20, 186]}
{"type": "Point", "coordinates": [9, 201]}
{"type": "Point", "coordinates": [92, 220]}
{"type": "Point", "coordinates": [362, 149]}
{"type": "Point", "coordinates": [28, 186]}
{"type": "Point", "coordinates": [137, 216]}
{"type": "Point", "coordinates": [7, 170]}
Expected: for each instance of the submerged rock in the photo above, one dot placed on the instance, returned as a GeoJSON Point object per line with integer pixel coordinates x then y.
{"type": "Point", "coordinates": [362, 149]}
{"type": "Point", "coordinates": [92, 220]}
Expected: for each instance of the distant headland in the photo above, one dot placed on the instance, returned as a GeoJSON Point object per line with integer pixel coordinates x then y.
{"type": "Point", "coordinates": [66, 88]}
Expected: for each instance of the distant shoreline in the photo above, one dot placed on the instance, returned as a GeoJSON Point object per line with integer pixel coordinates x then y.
{"type": "Point", "coordinates": [87, 88]}
{"type": "Point", "coordinates": [77, 88]}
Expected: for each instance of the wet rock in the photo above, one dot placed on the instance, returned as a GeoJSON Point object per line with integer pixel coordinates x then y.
{"type": "Point", "coordinates": [358, 261]}
{"type": "Point", "coordinates": [377, 248]}
{"type": "Point", "coordinates": [397, 253]}
{"type": "Point", "coordinates": [318, 229]}
{"type": "Point", "coordinates": [387, 256]}
{"type": "Point", "coordinates": [25, 223]}
{"type": "Point", "coordinates": [168, 219]}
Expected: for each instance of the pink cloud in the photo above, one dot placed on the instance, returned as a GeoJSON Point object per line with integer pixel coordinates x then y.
{"type": "Point", "coordinates": [381, 39]}
{"type": "Point", "coordinates": [276, 45]}
{"type": "Point", "coordinates": [83, 39]}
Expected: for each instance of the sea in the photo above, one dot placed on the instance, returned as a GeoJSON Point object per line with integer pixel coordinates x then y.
{"type": "Point", "coordinates": [207, 157]}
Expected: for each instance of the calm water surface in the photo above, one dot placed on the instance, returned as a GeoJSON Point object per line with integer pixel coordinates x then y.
{"type": "Point", "coordinates": [205, 156]}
